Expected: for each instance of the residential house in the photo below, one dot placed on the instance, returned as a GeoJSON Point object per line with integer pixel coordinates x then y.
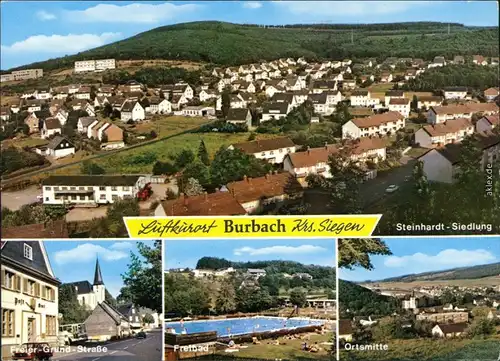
{"type": "Point", "coordinates": [30, 301]}
{"type": "Point", "coordinates": [458, 92]}
{"type": "Point", "coordinates": [90, 190]}
{"type": "Point", "coordinates": [256, 272]}
{"type": "Point", "coordinates": [237, 101]}
{"type": "Point", "coordinates": [320, 104]}
{"type": "Point", "coordinates": [315, 160]}
{"type": "Point", "coordinates": [442, 164]}
{"type": "Point", "coordinates": [62, 115]}
{"type": "Point", "coordinates": [393, 94]}
{"type": "Point", "coordinates": [59, 147]}
{"type": "Point", "coordinates": [401, 105]}
{"type": "Point", "coordinates": [254, 194]}
{"type": "Point", "coordinates": [378, 124]}
{"type": "Point", "coordinates": [177, 101]}
{"type": "Point", "coordinates": [213, 204]}
{"type": "Point", "coordinates": [487, 123]}
{"type": "Point", "coordinates": [273, 150]}
{"type": "Point", "coordinates": [32, 122]}
{"type": "Point", "coordinates": [5, 113]}
{"type": "Point", "coordinates": [132, 110]}
{"type": "Point", "coordinates": [437, 62]}
{"type": "Point", "coordinates": [479, 60]}
{"type": "Point", "coordinates": [459, 60]}
{"type": "Point", "coordinates": [449, 330]}
{"type": "Point", "coordinates": [32, 106]}
{"type": "Point", "coordinates": [385, 77]}
{"type": "Point", "coordinates": [136, 315]}
{"type": "Point", "coordinates": [320, 86]}
{"type": "Point", "coordinates": [206, 95]}
{"type": "Point", "coordinates": [241, 116]}
{"type": "Point", "coordinates": [105, 91]}
{"type": "Point", "coordinates": [77, 104]}
{"type": "Point", "coordinates": [158, 105]}
{"type": "Point", "coordinates": [83, 93]}
{"type": "Point", "coordinates": [348, 83]}
{"type": "Point", "coordinates": [43, 94]}
{"type": "Point", "coordinates": [491, 94]}
{"type": "Point", "coordinates": [275, 110]}
{"type": "Point", "coordinates": [440, 114]}
{"type": "Point", "coordinates": [451, 131]}
{"type": "Point", "coordinates": [84, 122]}
{"type": "Point", "coordinates": [51, 126]}
{"type": "Point", "coordinates": [198, 111]}
{"type": "Point", "coordinates": [425, 102]}
{"type": "Point", "coordinates": [362, 98]}
{"type": "Point", "coordinates": [111, 137]}
{"type": "Point", "coordinates": [106, 323]}
{"type": "Point", "coordinates": [345, 330]}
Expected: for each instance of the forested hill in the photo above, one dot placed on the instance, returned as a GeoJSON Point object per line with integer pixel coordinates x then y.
{"type": "Point", "coordinates": [475, 272]}
{"type": "Point", "coordinates": [361, 301]}
{"type": "Point", "coordinates": [232, 44]}
{"type": "Point", "coordinates": [271, 267]}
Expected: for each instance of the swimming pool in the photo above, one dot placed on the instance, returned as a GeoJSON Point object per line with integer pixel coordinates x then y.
{"type": "Point", "coordinates": [242, 326]}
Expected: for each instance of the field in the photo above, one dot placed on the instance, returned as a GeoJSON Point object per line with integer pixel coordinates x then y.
{"type": "Point", "coordinates": [24, 142]}
{"type": "Point", "coordinates": [430, 350]}
{"type": "Point", "coordinates": [164, 126]}
{"type": "Point", "coordinates": [378, 91]}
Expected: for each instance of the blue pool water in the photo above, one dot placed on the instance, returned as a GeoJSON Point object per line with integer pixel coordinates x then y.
{"type": "Point", "coordinates": [241, 326]}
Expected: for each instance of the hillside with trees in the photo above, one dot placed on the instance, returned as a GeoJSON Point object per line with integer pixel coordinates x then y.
{"type": "Point", "coordinates": [361, 301]}
{"type": "Point", "coordinates": [475, 272]}
{"type": "Point", "coordinates": [232, 44]}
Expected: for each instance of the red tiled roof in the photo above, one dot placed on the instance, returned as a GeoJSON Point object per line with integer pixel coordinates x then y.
{"type": "Point", "coordinates": [214, 204]}
{"type": "Point", "coordinates": [377, 119]}
{"type": "Point", "coordinates": [451, 126]}
{"type": "Point", "coordinates": [271, 185]}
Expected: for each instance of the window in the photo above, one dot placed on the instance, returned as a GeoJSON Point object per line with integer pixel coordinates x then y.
{"type": "Point", "coordinates": [73, 188]}
{"type": "Point", "coordinates": [102, 188]}
{"type": "Point", "coordinates": [7, 323]}
{"type": "Point", "coordinates": [114, 188]}
{"type": "Point", "coordinates": [8, 279]}
{"type": "Point", "coordinates": [28, 252]}
{"type": "Point", "coordinates": [102, 197]}
{"type": "Point", "coordinates": [47, 188]}
{"type": "Point", "coordinates": [50, 325]}
{"type": "Point", "coordinates": [81, 188]}
{"type": "Point", "coordinates": [64, 188]}
{"type": "Point", "coordinates": [125, 189]}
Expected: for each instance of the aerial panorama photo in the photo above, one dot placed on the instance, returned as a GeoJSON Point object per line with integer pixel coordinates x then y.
{"type": "Point", "coordinates": [119, 109]}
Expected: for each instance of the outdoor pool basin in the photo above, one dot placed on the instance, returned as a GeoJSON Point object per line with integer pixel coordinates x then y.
{"type": "Point", "coordinates": [242, 326]}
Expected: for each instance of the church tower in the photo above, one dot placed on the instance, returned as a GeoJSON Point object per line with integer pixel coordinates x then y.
{"type": "Point", "coordinates": [98, 286]}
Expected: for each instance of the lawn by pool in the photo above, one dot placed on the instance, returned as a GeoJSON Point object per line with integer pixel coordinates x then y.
{"type": "Point", "coordinates": [242, 326]}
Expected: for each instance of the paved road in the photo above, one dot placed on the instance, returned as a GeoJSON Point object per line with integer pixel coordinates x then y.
{"type": "Point", "coordinates": [148, 349]}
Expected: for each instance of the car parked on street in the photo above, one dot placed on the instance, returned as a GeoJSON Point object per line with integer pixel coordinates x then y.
{"type": "Point", "coordinates": [140, 334]}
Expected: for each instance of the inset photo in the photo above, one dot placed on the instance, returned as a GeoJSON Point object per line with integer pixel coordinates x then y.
{"type": "Point", "coordinates": [419, 298]}
{"type": "Point", "coordinates": [81, 300]}
{"type": "Point", "coordinates": [261, 299]}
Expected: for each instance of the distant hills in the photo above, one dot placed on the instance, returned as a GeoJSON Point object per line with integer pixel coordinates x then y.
{"type": "Point", "coordinates": [233, 44]}
{"type": "Point", "coordinates": [474, 272]}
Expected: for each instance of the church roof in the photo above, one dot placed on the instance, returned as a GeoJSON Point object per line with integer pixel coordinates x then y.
{"type": "Point", "coordinates": [98, 276]}
{"type": "Point", "coordinates": [82, 287]}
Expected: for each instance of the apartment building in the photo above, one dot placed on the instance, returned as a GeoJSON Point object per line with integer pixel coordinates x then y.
{"type": "Point", "coordinates": [315, 160]}
{"type": "Point", "coordinates": [30, 306]}
{"type": "Point", "coordinates": [26, 74]}
{"type": "Point", "coordinates": [393, 94]}
{"type": "Point", "coordinates": [455, 92]}
{"type": "Point", "coordinates": [94, 65]}
{"type": "Point", "coordinates": [444, 317]}
{"type": "Point", "coordinates": [429, 101]}
{"type": "Point", "coordinates": [378, 124]}
{"type": "Point", "coordinates": [487, 123]}
{"type": "Point", "coordinates": [272, 150]}
{"type": "Point", "coordinates": [401, 105]}
{"type": "Point", "coordinates": [362, 98]}
{"type": "Point", "coordinates": [91, 190]}
{"type": "Point", "coordinates": [451, 131]}
{"type": "Point", "coordinates": [440, 114]}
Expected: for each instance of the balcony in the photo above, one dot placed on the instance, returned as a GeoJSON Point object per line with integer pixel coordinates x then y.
{"type": "Point", "coordinates": [74, 191]}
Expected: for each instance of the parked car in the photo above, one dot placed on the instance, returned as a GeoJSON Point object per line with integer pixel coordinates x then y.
{"type": "Point", "coordinates": [392, 188]}
{"type": "Point", "coordinates": [34, 351]}
{"type": "Point", "coordinates": [140, 334]}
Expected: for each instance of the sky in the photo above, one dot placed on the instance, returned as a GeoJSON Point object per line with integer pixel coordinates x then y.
{"type": "Point", "coordinates": [73, 261]}
{"type": "Point", "coordinates": [185, 254]}
{"type": "Point", "coordinates": [39, 30]}
{"type": "Point", "coordinates": [417, 255]}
